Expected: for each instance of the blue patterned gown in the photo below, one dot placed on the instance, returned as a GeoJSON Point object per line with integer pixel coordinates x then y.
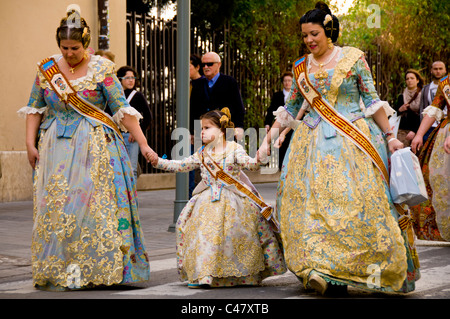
{"type": "Point", "coordinates": [86, 227]}
{"type": "Point", "coordinates": [336, 213]}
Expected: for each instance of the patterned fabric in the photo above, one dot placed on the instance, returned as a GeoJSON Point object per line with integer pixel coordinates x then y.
{"type": "Point", "coordinates": [86, 226]}
{"type": "Point", "coordinates": [432, 217]}
{"type": "Point", "coordinates": [222, 239]}
{"type": "Point", "coordinates": [337, 217]}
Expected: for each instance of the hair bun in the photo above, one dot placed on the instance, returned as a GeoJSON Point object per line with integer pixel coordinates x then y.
{"type": "Point", "coordinates": [323, 6]}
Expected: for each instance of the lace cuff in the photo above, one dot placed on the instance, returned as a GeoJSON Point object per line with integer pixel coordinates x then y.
{"type": "Point", "coordinates": [118, 116]}
{"type": "Point", "coordinates": [433, 111]}
{"type": "Point", "coordinates": [283, 116]}
{"type": "Point", "coordinates": [24, 111]}
{"type": "Point", "coordinates": [376, 105]}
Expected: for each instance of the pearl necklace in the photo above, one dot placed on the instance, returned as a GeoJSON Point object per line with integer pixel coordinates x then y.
{"type": "Point", "coordinates": [322, 74]}
{"type": "Point", "coordinates": [329, 59]}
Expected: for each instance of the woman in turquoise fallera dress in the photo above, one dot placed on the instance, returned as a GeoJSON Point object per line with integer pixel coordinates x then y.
{"type": "Point", "coordinates": [339, 225]}
{"type": "Point", "coordinates": [86, 226]}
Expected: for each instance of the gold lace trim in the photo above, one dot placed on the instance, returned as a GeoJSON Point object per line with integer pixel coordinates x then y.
{"type": "Point", "coordinates": [350, 56]}
{"type": "Point", "coordinates": [97, 72]}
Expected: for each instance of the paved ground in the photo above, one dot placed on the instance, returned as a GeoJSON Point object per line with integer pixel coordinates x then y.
{"type": "Point", "coordinates": [156, 214]}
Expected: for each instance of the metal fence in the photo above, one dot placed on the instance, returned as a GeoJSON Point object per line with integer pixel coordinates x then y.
{"type": "Point", "coordinates": [151, 50]}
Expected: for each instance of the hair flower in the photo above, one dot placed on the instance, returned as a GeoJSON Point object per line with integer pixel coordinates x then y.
{"type": "Point", "coordinates": [327, 19]}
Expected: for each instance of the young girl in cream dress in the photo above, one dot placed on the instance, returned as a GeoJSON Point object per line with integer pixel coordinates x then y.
{"type": "Point", "coordinates": [222, 239]}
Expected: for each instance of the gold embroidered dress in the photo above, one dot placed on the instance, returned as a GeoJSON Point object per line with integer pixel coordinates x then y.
{"type": "Point", "coordinates": [222, 239]}
{"type": "Point", "coordinates": [336, 214]}
{"type": "Point", "coordinates": [86, 225]}
{"type": "Point", "coordinates": [432, 217]}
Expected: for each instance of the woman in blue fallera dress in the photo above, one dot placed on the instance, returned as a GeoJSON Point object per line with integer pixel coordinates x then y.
{"type": "Point", "coordinates": [86, 226]}
{"type": "Point", "coordinates": [339, 226]}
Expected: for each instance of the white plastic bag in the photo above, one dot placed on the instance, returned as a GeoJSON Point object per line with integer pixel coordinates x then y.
{"type": "Point", "coordinates": [407, 184]}
{"type": "Point", "coordinates": [394, 123]}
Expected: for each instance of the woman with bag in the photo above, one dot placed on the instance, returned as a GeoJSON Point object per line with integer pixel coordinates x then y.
{"type": "Point", "coordinates": [338, 222]}
{"type": "Point", "coordinates": [432, 218]}
{"type": "Point", "coordinates": [407, 107]}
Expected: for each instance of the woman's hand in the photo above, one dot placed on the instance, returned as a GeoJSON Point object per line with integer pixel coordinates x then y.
{"type": "Point", "coordinates": [404, 107]}
{"type": "Point", "coordinates": [416, 143]}
{"type": "Point", "coordinates": [33, 156]}
{"type": "Point", "coordinates": [410, 136]}
{"type": "Point", "coordinates": [279, 141]}
{"type": "Point", "coordinates": [447, 145]}
{"type": "Point", "coordinates": [148, 153]}
{"type": "Point", "coordinates": [394, 145]}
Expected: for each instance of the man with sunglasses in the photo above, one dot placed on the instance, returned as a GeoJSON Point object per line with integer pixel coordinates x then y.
{"type": "Point", "coordinates": [215, 91]}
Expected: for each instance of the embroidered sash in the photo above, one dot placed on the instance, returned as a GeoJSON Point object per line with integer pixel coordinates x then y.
{"type": "Point", "coordinates": [445, 86]}
{"type": "Point", "coordinates": [332, 117]}
{"type": "Point", "coordinates": [218, 173]}
{"type": "Point", "coordinates": [61, 86]}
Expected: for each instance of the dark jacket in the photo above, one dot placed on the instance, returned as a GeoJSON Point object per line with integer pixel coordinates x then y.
{"type": "Point", "coordinates": [275, 103]}
{"type": "Point", "coordinates": [224, 93]}
{"type": "Point", "coordinates": [410, 120]}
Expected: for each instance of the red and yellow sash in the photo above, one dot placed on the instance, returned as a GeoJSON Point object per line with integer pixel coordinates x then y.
{"type": "Point", "coordinates": [445, 87]}
{"type": "Point", "coordinates": [331, 116]}
{"type": "Point", "coordinates": [218, 173]}
{"type": "Point", "coordinates": [61, 86]}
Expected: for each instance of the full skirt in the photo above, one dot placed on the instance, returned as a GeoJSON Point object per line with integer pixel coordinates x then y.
{"type": "Point", "coordinates": [337, 217]}
{"type": "Point", "coordinates": [226, 242]}
{"type": "Point", "coordinates": [86, 227]}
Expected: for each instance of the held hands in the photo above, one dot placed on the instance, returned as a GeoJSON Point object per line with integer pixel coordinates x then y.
{"type": "Point", "coordinates": [279, 141]}
{"type": "Point", "coordinates": [263, 152]}
{"type": "Point", "coordinates": [149, 154]}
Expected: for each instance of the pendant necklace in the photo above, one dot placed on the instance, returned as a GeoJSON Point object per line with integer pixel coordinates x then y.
{"type": "Point", "coordinates": [322, 74]}
{"type": "Point", "coordinates": [72, 67]}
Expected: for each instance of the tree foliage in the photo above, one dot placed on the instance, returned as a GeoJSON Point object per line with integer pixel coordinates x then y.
{"type": "Point", "coordinates": [410, 34]}
{"type": "Point", "coordinates": [265, 39]}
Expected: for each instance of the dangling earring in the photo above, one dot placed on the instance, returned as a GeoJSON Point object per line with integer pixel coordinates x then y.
{"type": "Point", "coordinates": [330, 43]}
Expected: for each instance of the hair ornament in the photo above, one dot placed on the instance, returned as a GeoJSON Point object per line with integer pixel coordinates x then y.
{"type": "Point", "coordinates": [73, 7]}
{"type": "Point", "coordinates": [327, 19]}
{"type": "Point", "coordinates": [224, 120]}
{"type": "Point", "coordinates": [85, 31]}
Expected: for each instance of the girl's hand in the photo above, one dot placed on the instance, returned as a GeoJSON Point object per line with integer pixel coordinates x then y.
{"type": "Point", "coordinates": [394, 145]}
{"type": "Point", "coordinates": [147, 152]}
{"type": "Point", "coordinates": [33, 156]}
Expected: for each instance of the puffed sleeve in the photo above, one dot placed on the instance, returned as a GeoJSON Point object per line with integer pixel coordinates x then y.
{"type": "Point", "coordinates": [115, 97]}
{"type": "Point", "coordinates": [293, 105]}
{"type": "Point", "coordinates": [436, 108]}
{"type": "Point", "coordinates": [367, 90]}
{"type": "Point", "coordinates": [36, 103]}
